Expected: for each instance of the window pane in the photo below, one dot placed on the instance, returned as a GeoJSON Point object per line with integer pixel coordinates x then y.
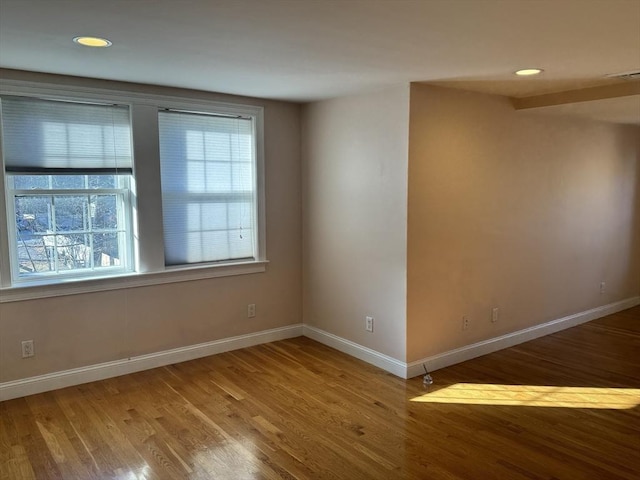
{"type": "Point", "coordinates": [106, 250]}
{"type": "Point", "coordinates": [61, 182]}
{"type": "Point", "coordinates": [67, 182]}
{"type": "Point", "coordinates": [71, 213]}
{"type": "Point", "coordinates": [73, 251]}
{"type": "Point", "coordinates": [33, 221]}
{"type": "Point", "coordinates": [33, 255]}
{"type": "Point", "coordinates": [30, 182]}
{"type": "Point", "coordinates": [104, 212]}
{"type": "Point", "coordinates": [102, 181]}
{"type": "Point", "coordinates": [33, 215]}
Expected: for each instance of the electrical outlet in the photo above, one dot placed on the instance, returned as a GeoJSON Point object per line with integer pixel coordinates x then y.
{"type": "Point", "coordinates": [251, 310]}
{"type": "Point", "coordinates": [368, 324]}
{"type": "Point", "coordinates": [602, 287]}
{"type": "Point", "coordinates": [465, 322]}
{"type": "Point", "coordinates": [27, 349]}
{"type": "Point", "coordinates": [494, 315]}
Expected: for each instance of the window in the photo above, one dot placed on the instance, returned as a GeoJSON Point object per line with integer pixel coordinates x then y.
{"type": "Point", "coordinates": [208, 187]}
{"type": "Point", "coordinates": [67, 172]}
{"type": "Point", "coordinates": [71, 231]}
{"type": "Point", "coordinates": [76, 216]}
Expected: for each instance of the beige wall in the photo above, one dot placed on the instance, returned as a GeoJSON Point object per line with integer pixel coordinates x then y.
{"type": "Point", "coordinates": [517, 211]}
{"type": "Point", "coordinates": [354, 214]}
{"type": "Point", "coordinates": [85, 329]}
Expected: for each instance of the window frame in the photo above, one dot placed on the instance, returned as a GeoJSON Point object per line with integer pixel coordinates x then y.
{"type": "Point", "coordinates": [210, 196]}
{"type": "Point", "coordinates": [146, 199]}
{"type": "Point", "coordinates": [123, 198]}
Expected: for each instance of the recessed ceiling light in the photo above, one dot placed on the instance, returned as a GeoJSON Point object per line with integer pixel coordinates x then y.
{"type": "Point", "coordinates": [92, 41]}
{"type": "Point", "coordinates": [528, 71]}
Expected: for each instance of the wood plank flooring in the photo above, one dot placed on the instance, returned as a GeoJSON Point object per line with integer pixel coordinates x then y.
{"type": "Point", "coordinates": [296, 409]}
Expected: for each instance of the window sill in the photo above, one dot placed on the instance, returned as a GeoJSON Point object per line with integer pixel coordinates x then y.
{"type": "Point", "coordinates": [22, 292]}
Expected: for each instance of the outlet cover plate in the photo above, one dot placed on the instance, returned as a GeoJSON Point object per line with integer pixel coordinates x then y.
{"type": "Point", "coordinates": [368, 323]}
{"type": "Point", "coordinates": [27, 349]}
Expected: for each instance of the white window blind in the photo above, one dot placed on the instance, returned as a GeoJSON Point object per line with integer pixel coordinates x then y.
{"type": "Point", "coordinates": [208, 187]}
{"type": "Point", "coordinates": [45, 136]}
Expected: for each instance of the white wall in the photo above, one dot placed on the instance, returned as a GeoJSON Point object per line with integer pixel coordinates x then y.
{"type": "Point", "coordinates": [85, 329]}
{"type": "Point", "coordinates": [355, 152]}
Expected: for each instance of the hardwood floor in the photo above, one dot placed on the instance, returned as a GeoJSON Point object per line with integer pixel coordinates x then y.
{"type": "Point", "coordinates": [296, 409]}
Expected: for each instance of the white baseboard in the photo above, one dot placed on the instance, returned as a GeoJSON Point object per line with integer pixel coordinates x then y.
{"type": "Point", "coordinates": [77, 376]}
{"type": "Point", "coordinates": [467, 352]}
{"type": "Point", "coordinates": [485, 347]}
{"type": "Point", "coordinates": [368, 355]}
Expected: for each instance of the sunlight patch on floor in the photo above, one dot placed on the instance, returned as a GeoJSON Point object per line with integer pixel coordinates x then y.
{"type": "Point", "coordinates": [534, 396]}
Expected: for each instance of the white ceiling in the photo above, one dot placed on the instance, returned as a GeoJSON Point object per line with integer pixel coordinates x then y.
{"type": "Point", "coordinates": [305, 50]}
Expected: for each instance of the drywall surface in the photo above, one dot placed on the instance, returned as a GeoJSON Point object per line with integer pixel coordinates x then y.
{"type": "Point", "coordinates": [354, 217]}
{"type": "Point", "coordinates": [524, 213]}
{"type": "Point", "coordinates": [85, 329]}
